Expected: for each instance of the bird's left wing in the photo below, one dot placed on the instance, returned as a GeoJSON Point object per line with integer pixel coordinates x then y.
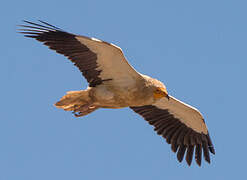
{"type": "Point", "coordinates": [100, 62]}
{"type": "Point", "coordinates": [182, 125]}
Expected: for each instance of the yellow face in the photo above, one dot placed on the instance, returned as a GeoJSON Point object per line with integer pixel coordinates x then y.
{"type": "Point", "coordinates": [160, 93]}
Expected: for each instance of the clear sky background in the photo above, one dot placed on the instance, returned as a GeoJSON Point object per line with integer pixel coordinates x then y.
{"type": "Point", "coordinates": [197, 48]}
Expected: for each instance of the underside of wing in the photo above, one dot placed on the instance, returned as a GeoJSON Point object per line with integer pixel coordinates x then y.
{"type": "Point", "coordinates": [100, 62]}
{"type": "Point", "coordinates": [182, 126]}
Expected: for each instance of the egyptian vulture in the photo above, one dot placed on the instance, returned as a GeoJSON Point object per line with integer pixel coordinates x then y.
{"type": "Point", "coordinates": [114, 83]}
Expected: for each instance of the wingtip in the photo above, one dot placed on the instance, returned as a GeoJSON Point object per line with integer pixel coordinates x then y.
{"type": "Point", "coordinates": [25, 21]}
{"type": "Point", "coordinates": [189, 154]}
{"type": "Point", "coordinates": [188, 162]}
{"type": "Point", "coordinates": [180, 153]}
{"type": "Point", "coordinates": [52, 26]}
{"type": "Point", "coordinates": [41, 25]}
{"type": "Point", "coordinates": [212, 150]}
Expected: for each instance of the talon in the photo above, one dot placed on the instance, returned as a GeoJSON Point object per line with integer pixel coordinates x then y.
{"type": "Point", "coordinates": [78, 115]}
{"type": "Point", "coordinates": [91, 107]}
{"type": "Point", "coordinates": [83, 110]}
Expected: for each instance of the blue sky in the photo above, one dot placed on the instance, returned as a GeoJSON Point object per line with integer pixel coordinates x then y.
{"type": "Point", "coordinates": [197, 48]}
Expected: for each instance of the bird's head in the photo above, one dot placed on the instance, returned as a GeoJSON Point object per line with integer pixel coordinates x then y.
{"type": "Point", "coordinates": [158, 89]}
{"type": "Point", "coordinates": [160, 92]}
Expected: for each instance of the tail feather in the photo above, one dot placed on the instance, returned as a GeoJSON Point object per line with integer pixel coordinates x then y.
{"type": "Point", "coordinates": [72, 100]}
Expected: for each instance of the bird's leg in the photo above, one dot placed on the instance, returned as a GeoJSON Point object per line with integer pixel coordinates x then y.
{"type": "Point", "coordinates": [84, 109]}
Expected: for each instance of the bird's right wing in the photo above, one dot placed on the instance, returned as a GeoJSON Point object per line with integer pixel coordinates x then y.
{"type": "Point", "coordinates": [100, 62]}
{"type": "Point", "coordinates": [182, 125]}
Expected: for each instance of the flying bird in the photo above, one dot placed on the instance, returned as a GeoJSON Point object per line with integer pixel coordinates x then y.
{"type": "Point", "coordinates": [114, 83]}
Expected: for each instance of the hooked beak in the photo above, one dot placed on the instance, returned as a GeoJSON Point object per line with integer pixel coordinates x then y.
{"type": "Point", "coordinates": [161, 93]}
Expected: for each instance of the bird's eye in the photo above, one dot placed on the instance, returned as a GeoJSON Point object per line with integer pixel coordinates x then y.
{"type": "Point", "coordinates": [157, 91]}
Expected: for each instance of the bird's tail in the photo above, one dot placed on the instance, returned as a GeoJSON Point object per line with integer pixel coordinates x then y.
{"type": "Point", "coordinates": [73, 99]}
